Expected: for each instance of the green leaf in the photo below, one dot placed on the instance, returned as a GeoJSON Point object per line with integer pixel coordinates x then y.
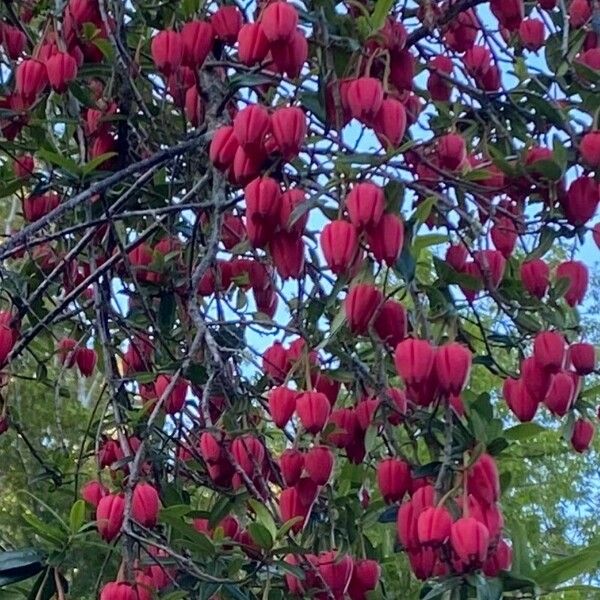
{"type": "Point", "coordinates": [190, 7]}
{"type": "Point", "coordinates": [260, 535]}
{"type": "Point", "coordinates": [234, 592]}
{"type": "Point", "coordinates": [175, 511]}
{"type": "Point", "coordinates": [48, 532]}
{"type": "Point", "coordinates": [549, 169]}
{"type": "Point", "coordinates": [282, 531]}
{"type": "Point", "coordinates": [560, 287]}
{"type": "Point", "coordinates": [380, 13]}
{"type": "Point", "coordinates": [19, 565]}
{"type": "Point", "coordinates": [564, 569]}
{"type": "Point", "coordinates": [166, 312]}
{"type": "Point", "coordinates": [179, 595]}
{"type": "Point", "coordinates": [93, 164]}
{"type": "Point", "coordinates": [521, 564]}
{"type": "Point", "coordinates": [424, 209]}
{"type": "Point", "coordinates": [429, 239]}
{"type": "Point", "coordinates": [312, 102]}
{"type": "Point", "coordinates": [524, 431]}
{"type": "Point", "coordinates": [7, 189]}
{"type": "Point", "coordinates": [220, 510]}
{"type": "Point", "coordinates": [77, 516]}
{"type": "Point", "coordinates": [264, 517]}
{"type": "Point", "coordinates": [547, 237]}
{"type": "Point", "coordinates": [66, 163]}
{"type": "Point", "coordinates": [371, 439]}
{"type": "Point", "coordinates": [389, 515]}
{"type": "Point", "coordinates": [44, 587]}
{"type": "Point", "coordinates": [294, 570]}
{"type": "Point", "coordinates": [249, 80]}
{"type": "Point", "coordinates": [336, 325]}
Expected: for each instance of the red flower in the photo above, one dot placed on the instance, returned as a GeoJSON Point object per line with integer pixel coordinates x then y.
{"type": "Point", "coordinates": [287, 252]}
{"type": "Point", "coordinates": [508, 12]}
{"type": "Point", "coordinates": [227, 22]}
{"type": "Point", "coordinates": [194, 106]}
{"type": "Point", "coordinates": [174, 402]}
{"type": "Point", "coordinates": [561, 394]}
{"type": "Point", "coordinates": [210, 448]}
{"type": "Point", "coordinates": [470, 541]}
{"type": "Point", "coordinates": [223, 147]}
{"type": "Point", "coordinates": [167, 51]}
{"type": "Point", "coordinates": [581, 200]}
{"type": "Point", "coordinates": [119, 590]}
{"type": "Point", "coordinates": [249, 453]}
{"type": "Point", "coordinates": [197, 38]}
{"type": "Point", "coordinates": [501, 558]}
{"type": "Point", "coordinates": [583, 434]}
{"type": "Point", "coordinates": [535, 276]}
{"type": "Point", "coordinates": [86, 360]}
{"type": "Point", "coordinates": [583, 358]}
{"type": "Point", "coordinates": [580, 12]}
{"type": "Point", "coordinates": [290, 200]}
{"type": "Point", "coordinates": [13, 40]}
{"type": "Point", "coordinates": [251, 125]}
{"type": "Point", "coordinates": [365, 98]}
{"type": "Point", "coordinates": [393, 479]}
{"type": "Point", "coordinates": [414, 360]}
{"type": "Point", "coordinates": [92, 492]}
{"type": "Point", "coordinates": [282, 404]}
{"type": "Point", "coordinates": [451, 151]}
{"type": "Point", "coordinates": [365, 204]}
{"type": "Point", "coordinates": [289, 130]}
{"type": "Point", "coordinates": [289, 56]}
{"type": "Point", "coordinates": [535, 378]}
{"type": "Point", "coordinates": [109, 516]}
{"type": "Point", "coordinates": [483, 480]}
{"type": "Point", "coordinates": [452, 366]}
{"type": "Point", "coordinates": [339, 242]}
{"type": "Point", "coordinates": [519, 400]}
{"type": "Point", "coordinates": [549, 350]}
{"type": "Point", "coordinates": [276, 362]}
{"type": "Point", "coordinates": [577, 275]}
{"type": "Point", "coordinates": [386, 238]}
{"type": "Point", "coordinates": [360, 306]}
{"type": "Point", "coordinates": [291, 464]}
{"type": "Point", "coordinates": [318, 462]}
{"type": "Point", "coordinates": [145, 505]}
{"type": "Point", "coordinates": [389, 123]}
{"type": "Point", "coordinates": [253, 45]}
{"type": "Point", "coordinates": [590, 149]}
{"type": "Point", "coordinates": [504, 235]}
{"type": "Point", "coordinates": [31, 79]}
{"type": "Point", "coordinates": [62, 70]}
{"type": "Point", "coordinates": [391, 322]}
{"type": "Point", "coordinates": [23, 166]}
{"type": "Point", "coordinates": [433, 526]}
{"type": "Point", "coordinates": [531, 32]}
{"type": "Point", "coordinates": [313, 410]}
{"type": "Point", "coordinates": [456, 256]}
{"type": "Point", "coordinates": [263, 200]}
{"type": "Point", "coordinates": [279, 21]}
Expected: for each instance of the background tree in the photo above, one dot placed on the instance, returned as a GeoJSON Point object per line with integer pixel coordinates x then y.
{"type": "Point", "coordinates": [291, 299]}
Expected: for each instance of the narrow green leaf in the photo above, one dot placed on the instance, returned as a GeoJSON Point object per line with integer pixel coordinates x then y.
{"type": "Point", "coordinates": [380, 13]}
{"type": "Point", "coordinates": [260, 535]}
{"type": "Point", "coordinates": [264, 517]}
{"type": "Point", "coordinates": [524, 431]}
{"type": "Point", "coordinates": [77, 516]}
